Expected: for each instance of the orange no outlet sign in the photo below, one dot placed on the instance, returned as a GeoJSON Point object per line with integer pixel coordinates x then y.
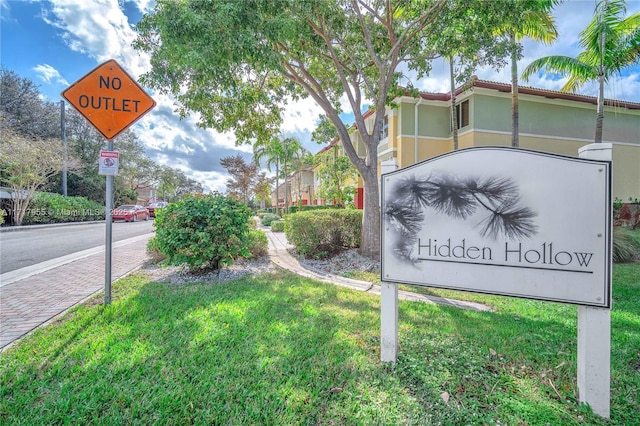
{"type": "Point", "coordinates": [109, 99]}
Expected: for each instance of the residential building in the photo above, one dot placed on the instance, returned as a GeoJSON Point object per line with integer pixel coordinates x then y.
{"type": "Point", "coordinates": [550, 121]}
{"type": "Point", "coordinates": [417, 129]}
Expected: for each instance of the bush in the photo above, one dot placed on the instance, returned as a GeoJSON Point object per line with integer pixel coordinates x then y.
{"type": "Point", "coordinates": [323, 232]}
{"type": "Point", "coordinates": [258, 244]}
{"type": "Point", "coordinates": [296, 209]}
{"type": "Point", "coordinates": [626, 245]}
{"type": "Point", "coordinates": [268, 218]}
{"type": "Point", "coordinates": [153, 250]}
{"type": "Point", "coordinates": [277, 226]}
{"type": "Point", "coordinates": [203, 232]}
{"type": "Point", "coordinates": [56, 208]}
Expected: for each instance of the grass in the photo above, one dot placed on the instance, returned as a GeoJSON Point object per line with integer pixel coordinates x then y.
{"type": "Point", "coordinates": [279, 349]}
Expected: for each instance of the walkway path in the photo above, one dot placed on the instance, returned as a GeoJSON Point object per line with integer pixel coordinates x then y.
{"type": "Point", "coordinates": [279, 254]}
{"type": "Point", "coordinates": [34, 296]}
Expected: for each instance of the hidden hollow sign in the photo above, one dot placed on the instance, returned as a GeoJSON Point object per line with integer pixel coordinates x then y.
{"type": "Point", "coordinates": [503, 221]}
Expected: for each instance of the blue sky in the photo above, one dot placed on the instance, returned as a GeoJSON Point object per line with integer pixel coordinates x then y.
{"type": "Point", "coordinates": [56, 42]}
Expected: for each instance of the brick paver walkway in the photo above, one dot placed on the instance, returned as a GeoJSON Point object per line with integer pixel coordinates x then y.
{"type": "Point", "coordinates": [28, 303]}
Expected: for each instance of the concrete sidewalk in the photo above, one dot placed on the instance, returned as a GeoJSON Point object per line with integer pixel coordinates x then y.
{"type": "Point", "coordinates": [38, 297]}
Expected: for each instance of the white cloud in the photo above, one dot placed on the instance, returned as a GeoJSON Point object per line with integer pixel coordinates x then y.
{"type": "Point", "coordinates": [571, 18]}
{"type": "Point", "coordinates": [301, 115]}
{"type": "Point", "coordinates": [99, 29]}
{"type": "Point", "coordinates": [143, 6]}
{"type": "Point", "coordinates": [48, 74]}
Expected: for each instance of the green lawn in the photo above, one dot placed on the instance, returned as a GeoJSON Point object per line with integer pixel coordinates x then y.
{"type": "Point", "coordinates": [278, 349]}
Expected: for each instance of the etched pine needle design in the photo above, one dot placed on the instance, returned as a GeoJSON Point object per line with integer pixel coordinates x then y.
{"type": "Point", "coordinates": [460, 198]}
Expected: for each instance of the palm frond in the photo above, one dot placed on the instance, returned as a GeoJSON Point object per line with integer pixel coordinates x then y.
{"type": "Point", "coordinates": [556, 64]}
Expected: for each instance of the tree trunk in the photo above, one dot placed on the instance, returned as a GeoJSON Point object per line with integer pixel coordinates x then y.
{"type": "Point", "coordinates": [600, 115]}
{"type": "Point", "coordinates": [515, 115]}
{"type": "Point", "coordinates": [277, 187]}
{"type": "Point", "coordinates": [370, 244]}
{"type": "Point", "coordinates": [454, 116]}
{"type": "Point", "coordinates": [286, 187]}
{"type": "Point", "coordinates": [20, 202]}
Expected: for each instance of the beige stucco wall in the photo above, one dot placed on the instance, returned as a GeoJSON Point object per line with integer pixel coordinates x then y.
{"type": "Point", "coordinates": [548, 125]}
{"type": "Point", "coordinates": [626, 171]}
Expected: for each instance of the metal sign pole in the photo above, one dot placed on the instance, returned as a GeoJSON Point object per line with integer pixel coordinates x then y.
{"type": "Point", "coordinates": [107, 250]}
{"type": "Point", "coordinates": [111, 100]}
{"type": "Point", "coordinates": [64, 147]}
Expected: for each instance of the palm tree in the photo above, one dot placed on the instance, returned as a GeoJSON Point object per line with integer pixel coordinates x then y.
{"type": "Point", "coordinates": [534, 22]}
{"type": "Point", "coordinates": [279, 152]}
{"type": "Point", "coordinates": [272, 151]}
{"type": "Point", "coordinates": [611, 42]}
{"type": "Point", "coordinates": [291, 150]}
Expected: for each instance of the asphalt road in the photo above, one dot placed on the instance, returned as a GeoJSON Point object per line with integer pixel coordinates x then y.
{"type": "Point", "coordinates": [33, 245]}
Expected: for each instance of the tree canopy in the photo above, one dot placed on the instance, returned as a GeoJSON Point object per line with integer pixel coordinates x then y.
{"type": "Point", "coordinates": [238, 63]}
{"type": "Point", "coordinates": [611, 42]}
{"type": "Point", "coordinates": [244, 178]}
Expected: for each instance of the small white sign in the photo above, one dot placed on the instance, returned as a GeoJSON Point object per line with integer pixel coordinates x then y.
{"type": "Point", "coordinates": [108, 164]}
{"type": "Point", "coordinates": [503, 221]}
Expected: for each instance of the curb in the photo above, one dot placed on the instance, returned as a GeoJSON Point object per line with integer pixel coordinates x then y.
{"type": "Point", "coordinates": [46, 225]}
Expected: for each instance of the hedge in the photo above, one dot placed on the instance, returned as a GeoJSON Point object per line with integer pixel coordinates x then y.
{"type": "Point", "coordinates": [322, 233]}
{"type": "Point", "coordinates": [56, 208]}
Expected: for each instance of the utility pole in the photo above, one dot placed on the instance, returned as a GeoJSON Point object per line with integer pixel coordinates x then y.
{"type": "Point", "coordinates": [63, 136]}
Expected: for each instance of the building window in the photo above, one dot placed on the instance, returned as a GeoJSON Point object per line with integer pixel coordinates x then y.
{"type": "Point", "coordinates": [462, 114]}
{"type": "Point", "coordinates": [385, 127]}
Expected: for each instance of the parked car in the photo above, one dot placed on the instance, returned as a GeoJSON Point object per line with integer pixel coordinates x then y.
{"type": "Point", "coordinates": [130, 213]}
{"type": "Point", "coordinates": [156, 205]}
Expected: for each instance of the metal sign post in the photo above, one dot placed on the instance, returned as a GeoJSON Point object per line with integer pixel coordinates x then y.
{"type": "Point", "coordinates": [111, 100]}
{"type": "Point", "coordinates": [108, 236]}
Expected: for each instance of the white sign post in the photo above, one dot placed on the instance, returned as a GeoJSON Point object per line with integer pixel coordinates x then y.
{"type": "Point", "coordinates": [388, 302]}
{"type": "Point", "coordinates": [594, 332]}
{"type": "Point", "coordinates": [509, 222]}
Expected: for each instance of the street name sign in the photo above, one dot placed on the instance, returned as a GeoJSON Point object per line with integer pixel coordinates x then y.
{"type": "Point", "coordinates": [109, 99]}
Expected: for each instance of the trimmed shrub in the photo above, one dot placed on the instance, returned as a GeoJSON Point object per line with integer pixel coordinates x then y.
{"type": "Point", "coordinates": [203, 231]}
{"type": "Point", "coordinates": [626, 245]}
{"type": "Point", "coordinates": [258, 244]}
{"type": "Point", "coordinates": [322, 233]}
{"type": "Point", "coordinates": [296, 209]}
{"type": "Point", "coordinates": [277, 226]}
{"type": "Point", "coordinates": [153, 250]}
{"type": "Point", "coordinates": [56, 208]}
{"type": "Point", "coordinates": [268, 218]}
